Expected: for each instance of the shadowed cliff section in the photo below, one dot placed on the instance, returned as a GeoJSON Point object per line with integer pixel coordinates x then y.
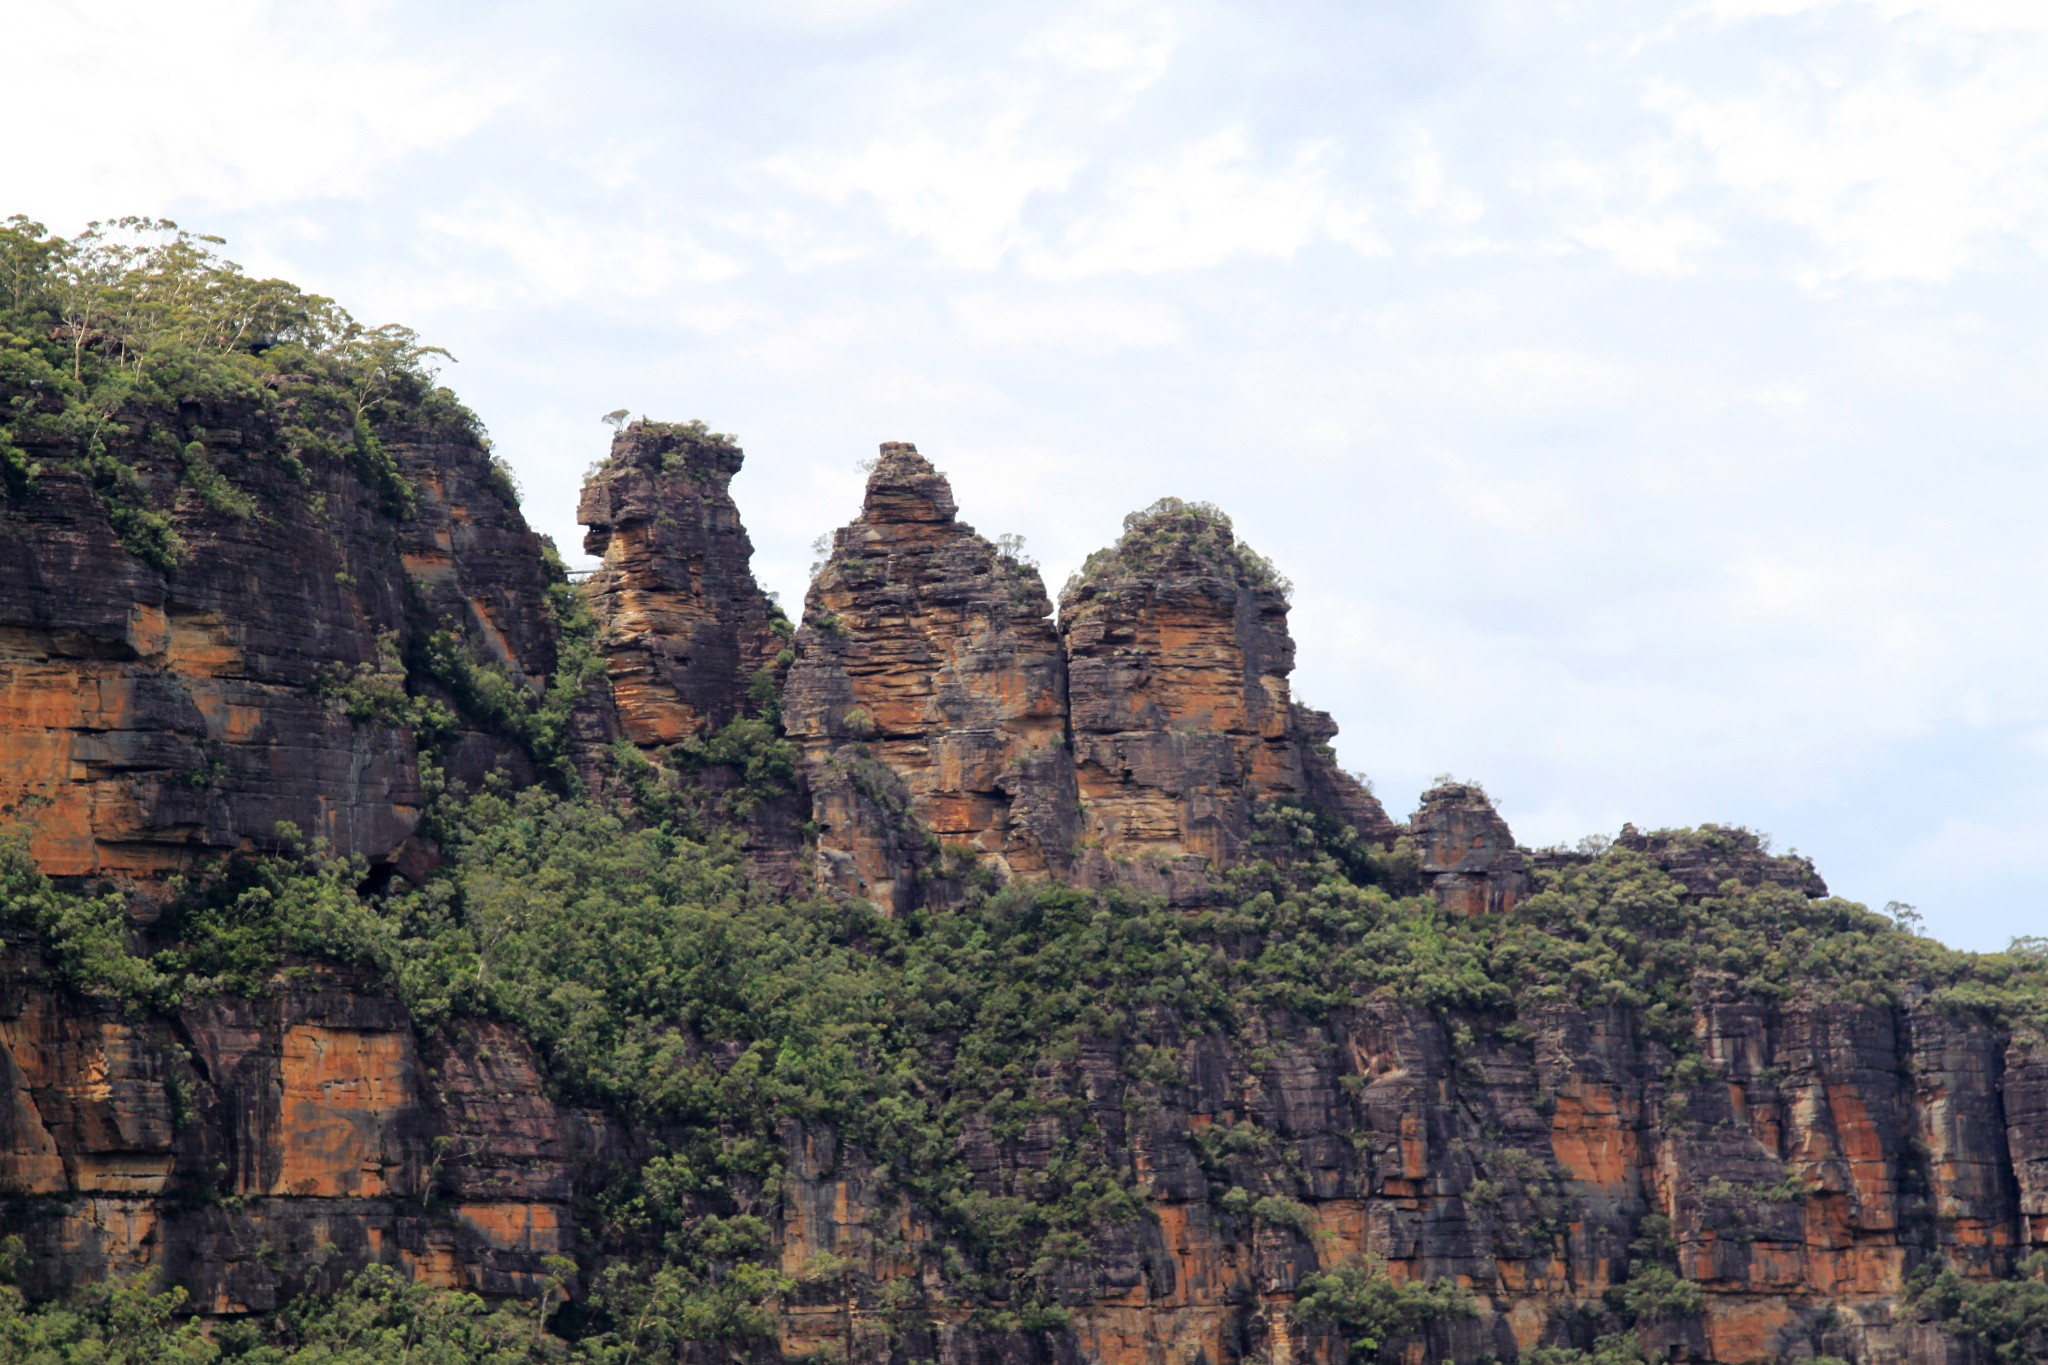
{"type": "Point", "coordinates": [155, 714]}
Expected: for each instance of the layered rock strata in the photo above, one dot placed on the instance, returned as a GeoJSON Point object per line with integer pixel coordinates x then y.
{"type": "Point", "coordinates": [254, 1151]}
{"type": "Point", "coordinates": [684, 627]}
{"type": "Point", "coordinates": [1809, 1158]}
{"type": "Point", "coordinates": [929, 693]}
{"type": "Point", "coordinates": [1715, 855]}
{"type": "Point", "coordinates": [1178, 658]}
{"type": "Point", "coordinates": [149, 717]}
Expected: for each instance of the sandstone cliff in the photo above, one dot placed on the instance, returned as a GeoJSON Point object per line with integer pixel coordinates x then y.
{"type": "Point", "coordinates": [1229, 1138]}
{"type": "Point", "coordinates": [929, 694]}
{"type": "Point", "coordinates": [1183, 722]}
{"type": "Point", "coordinates": [684, 628]}
{"type": "Point", "coordinates": [255, 1150]}
{"type": "Point", "coordinates": [152, 716]}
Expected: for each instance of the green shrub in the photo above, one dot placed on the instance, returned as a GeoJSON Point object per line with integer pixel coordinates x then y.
{"type": "Point", "coordinates": [1175, 533]}
{"type": "Point", "coordinates": [1372, 1310]}
{"type": "Point", "coordinates": [2008, 1318]}
{"type": "Point", "coordinates": [110, 338]}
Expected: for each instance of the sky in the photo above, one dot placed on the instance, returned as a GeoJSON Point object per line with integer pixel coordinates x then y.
{"type": "Point", "coordinates": [1645, 399]}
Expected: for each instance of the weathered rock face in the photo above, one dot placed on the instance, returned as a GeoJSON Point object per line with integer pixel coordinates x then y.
{"type": "Point", "coordinates": [928, 683]}
{"type": "Point", "coordinates": [1702, 864]}
{"type": "Point", "coordinates": [684, 627]}
{"type": "Point", "coordinates": [1835, 1148]}
{"type": "Point", "coordinates": [148, 718]}
{"type": "Point", "coordinates": [256, 1150]}
{"type": "Point", "coordinates": [1178, 659]}
{"type": "Point", "coordinates": [1829, 1150]}
{"type": "Point", "coordinates": [1815, 1156]}
{"type": "Point", "coordinates": [1471, 860]}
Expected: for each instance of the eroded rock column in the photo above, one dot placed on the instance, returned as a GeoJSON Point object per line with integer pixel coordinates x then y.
{"type": "Point", "coordinates": [1467, 852]}
{"type": "Point", "coordinates": [684, 626]}
{"type": "Point", "coordinates": [929, 695]}
{"type": "Point", "coordinates": [1178, 660]}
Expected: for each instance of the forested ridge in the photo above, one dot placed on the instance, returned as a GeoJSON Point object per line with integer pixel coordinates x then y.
{"type": "Point", "coordinates": [611, 915]}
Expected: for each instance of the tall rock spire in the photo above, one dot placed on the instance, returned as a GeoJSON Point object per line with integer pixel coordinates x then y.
{"type": "Point", "coordinates": [684, 626]}
{"type": "Point", "coordinates": [929, 695]}
{"type": "Point", "coordinates": [1178, 660]}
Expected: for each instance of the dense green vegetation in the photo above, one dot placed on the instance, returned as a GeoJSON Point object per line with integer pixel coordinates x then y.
{"type": "Point", "coordinates": [377, 1318]}
{"type": "Point", "coordinates": [2007, 1319]}
{"type": "Point", "coordinates": [1170, 530]}
{"type": "Point", "coordinates": [111, 341]}
{"type": "Point", "coordinates": [655, 977]}
{"type": "Point", "coordinates": [1372, 1310]}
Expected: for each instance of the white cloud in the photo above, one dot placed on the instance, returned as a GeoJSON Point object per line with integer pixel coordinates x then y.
{"type": "Point", "coordinates": [964, 196]}
{"type": "Point", "coordinates": [1524, 379]}
{"type": "Point", "coordinates": [1911, 154]}
{"type": "Point", "coordinates": [261, 106]}
{"type": "Point", "coordinates": [1129, 42]}
{"type": "Point", "coordinates": [1666, 244]}
{"type": "Point", "coordinates": [1085, 324]}
{"type": "Point", "coordinates": [1981, 846]}
{"type": "Point", "coordinates": [1977, 15]}
{"type": "Point", "coordinates": [1213, 202]}
{"type": "Point", "coordinates": [961, 156]}
{"type": "Point", "coordinates": [560, 257]}
{"type": "Point", "coordinates": [979, 166]}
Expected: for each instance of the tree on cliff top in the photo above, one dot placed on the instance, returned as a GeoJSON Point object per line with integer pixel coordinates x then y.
{"type": "Point", "coordinates": [1174, 534]}
{"type": "Point", "coordinates": [107, 338]}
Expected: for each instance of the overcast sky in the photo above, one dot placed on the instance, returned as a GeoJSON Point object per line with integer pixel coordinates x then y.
{"type": "Point", "coordinates": [1646, 399]}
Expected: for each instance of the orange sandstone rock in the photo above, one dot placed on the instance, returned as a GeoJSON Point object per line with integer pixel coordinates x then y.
{"type": "Point", "coordinates": [684, 626]}
{"type": "Point", "coordinates": [1178, 659]}
{"type": "Point", "coordinates": [929, 695]}
{"type": "Point", "coordinates": [150, 719]}
{"type": "Point", "coordinates": [1466, 851]}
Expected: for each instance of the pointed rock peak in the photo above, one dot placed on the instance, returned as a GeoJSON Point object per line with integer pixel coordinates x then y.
{"type": "Point", "coordinates": [1458, 830]}
{"type": "Point", "coordinates": [1177, 539]}
{"type": "Point", "coordinates": [1467, 850]}
{"type": "Point", "coordinates": [686, 448]}
{"type": "Point", "coordinates": [905, 488]}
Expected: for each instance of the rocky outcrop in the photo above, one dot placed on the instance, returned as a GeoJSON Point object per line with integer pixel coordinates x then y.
{"type": "Point", "coordinates": [152, 717]}
{"type": "Point", "coordinates": [928, 687]}
{"type": "Point", "coordinates": [1807, 1156]}
{"type": "Point", "coordinates": [684, 627]}
{"type": "Point", "coordinates": [929, 695]}
{"type": "Point", "coordinates": [1467, 853]}
{"type": "Point", "coordinates": [1705, 859]}
{"type": "Point", "coordinates": [1178, 659]}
